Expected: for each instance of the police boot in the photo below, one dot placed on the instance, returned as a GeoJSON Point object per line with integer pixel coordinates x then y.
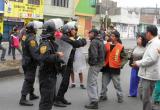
{"type": "Point", "coordinates": [92, 105]}
{"type": "Point", "coordinates": [24, 102]}
{"type": "Point", "coordinates": [59, 104]}
{"type": "Point", "coordinates": [33, 96]}
{"type": "Point", "coordinates": [64, 101]}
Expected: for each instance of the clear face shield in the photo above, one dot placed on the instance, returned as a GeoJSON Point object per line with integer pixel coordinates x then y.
{"type": "Point", "coordinates": [38, 28]}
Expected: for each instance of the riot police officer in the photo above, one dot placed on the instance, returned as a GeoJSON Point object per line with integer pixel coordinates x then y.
{"type": "Point", "coordinates": [29, 63]}
{"type": "Point", "coordinates": [69, 35]}
{"type": "Point", "coordinates": [49, 61]}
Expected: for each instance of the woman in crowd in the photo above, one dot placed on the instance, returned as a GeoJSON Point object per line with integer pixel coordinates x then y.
{"type": "Point", "coordinates": [137, 54]}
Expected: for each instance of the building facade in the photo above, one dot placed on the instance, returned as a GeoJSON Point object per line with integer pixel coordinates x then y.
{"type": "Point", "coordinates": [20, 12]}
{"type": "Point", "coordinates": [149, 16]}
{"type": "Point", "coordinates": [85, 10]}
{"type": "Point", "coordinates": [126, 21]}
{"type": "Point", "coordinates": [59, 9]}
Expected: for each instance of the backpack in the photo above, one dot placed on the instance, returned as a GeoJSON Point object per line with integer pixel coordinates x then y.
{"type": "Point", "coordinates": [15, 41]}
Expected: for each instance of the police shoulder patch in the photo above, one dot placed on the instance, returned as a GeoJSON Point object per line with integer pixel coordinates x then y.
{"type": "Point", "coordinates": [33, 43]}
{"type": "Point", "coordinates": [43, 49]}
{"type": "Point", "coordinates": [24, 38]}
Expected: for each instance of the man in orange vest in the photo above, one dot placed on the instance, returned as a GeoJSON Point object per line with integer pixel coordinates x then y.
{"type": "Point", "coordinates": [115, 60]}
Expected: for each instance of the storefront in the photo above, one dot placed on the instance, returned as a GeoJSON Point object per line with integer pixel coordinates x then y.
{"type": "Point", "coordinates": [20, 13]}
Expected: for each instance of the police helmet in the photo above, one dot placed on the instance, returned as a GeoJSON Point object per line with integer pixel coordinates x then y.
{"type": "Point", "coordinates": [33, 26]}
{"type": "Point", "coordinates": [72, 25]}
{"type": "Point", "coordinates": [69, 26]}
{"type": "Point", "coordinates": [65, 29]}
{"type": "Point", "coordinates": [50, 26]}
{"type": "Point", "coordinates": [53, 24]}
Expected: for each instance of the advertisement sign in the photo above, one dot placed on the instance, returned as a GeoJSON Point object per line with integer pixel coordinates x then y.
{"type": "Point", "coordinates": [1, 24]}
{"type": "Point", "coordinates": [24, 9]}
{"type": "Point", "coordinates": [1, 6]}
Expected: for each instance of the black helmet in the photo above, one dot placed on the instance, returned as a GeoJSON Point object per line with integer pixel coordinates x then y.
{"type": "Point", "coordinates": [69, 26]}
{"type": "Point", "coordinates": [50, 26]}
{"type": "Point", "coordinates": [72, 25]}
{"type": "Point", "coordinates": [65, 29]}
{"type": "Point", "coordinates": [53, 24]}
{"type": "Point", "coordinates": [33, 26]}
{"type": "Point", "coordinates": [30, 28]}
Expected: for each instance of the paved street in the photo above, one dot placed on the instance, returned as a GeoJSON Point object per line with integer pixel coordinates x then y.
{"type": "Point", "coordinates": [11, 86]}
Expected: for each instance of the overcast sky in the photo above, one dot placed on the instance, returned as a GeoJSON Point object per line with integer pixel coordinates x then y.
{"type": "Point", "coordinates": [138, 3]}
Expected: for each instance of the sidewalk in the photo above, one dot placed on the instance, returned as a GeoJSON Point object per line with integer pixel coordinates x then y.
{"type": "Point", "coordinates": [9, 67]}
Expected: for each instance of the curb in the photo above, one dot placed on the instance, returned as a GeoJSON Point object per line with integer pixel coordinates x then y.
{"type": "Point", "coordinates": [11, 72]}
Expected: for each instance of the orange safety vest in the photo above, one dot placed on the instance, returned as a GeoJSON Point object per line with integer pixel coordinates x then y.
{"type": "Point", "coordinates": [113, 58]}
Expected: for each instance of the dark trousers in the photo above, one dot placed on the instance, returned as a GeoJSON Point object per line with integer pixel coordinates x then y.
{"type": "Point", "coordinates": [29, 78]}
{"type": "Point", "coordinates": [65, 83]}
{"type": "Point", "coordinates": [147, 89]}
{"type": "Point", "coordinates": [47, 90]}
{"type": "Point", "coordinates": [14, 52]}
{"type": "Point", "coordinates": [3, 51]}
{"type": "Point", "coordinates": [9, 48]}
{"type": "Point", "coordinates": [134, 81]}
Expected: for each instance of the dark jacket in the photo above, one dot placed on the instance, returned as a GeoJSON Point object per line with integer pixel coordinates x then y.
{"type": "Point", "coordinates": [48, 57]}
{"type": "Point", "coordinates": [76, 44]}
{"type": "Point", "coordinates": [1, 39]}
{"type": "Point", "coordinates": [30, 50]}
{"type": "Point", "coordinates": [96, 52]}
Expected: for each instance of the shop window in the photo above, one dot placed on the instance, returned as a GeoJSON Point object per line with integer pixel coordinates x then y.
{"type": "Point", "coordinates": [34, 2]}
{"type": "Point", "coordinates": [60, 3]}
{"type": "Point", "coordinates": [93, 3]}
{"type": "Point", "coordinates": [17, 0]}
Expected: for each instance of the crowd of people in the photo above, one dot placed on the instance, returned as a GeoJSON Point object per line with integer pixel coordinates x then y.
{"type": "Point", "coordinates": [107, 57]}
{"type": "Point", "coordinates": [14, 44]}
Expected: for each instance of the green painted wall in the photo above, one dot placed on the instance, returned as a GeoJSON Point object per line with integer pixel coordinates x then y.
{"type": "Point", "coordinates": [85, 7]}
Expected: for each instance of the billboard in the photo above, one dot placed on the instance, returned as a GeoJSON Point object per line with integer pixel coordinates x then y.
{"type": "Point", "coordinates": [1, 24]}
{"type": "Point", "coordinates": [24, 9]}
{"type": "Point", "coordinates": [1, 6]}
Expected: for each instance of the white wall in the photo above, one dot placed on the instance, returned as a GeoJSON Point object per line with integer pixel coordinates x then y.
{"type": "Point", "coordinates": [126, 23]}
{"type": "Point", "coordinates": [126, 30]}
{"type": "Point", "coordinates": [50, 10]}
{"type": "Point", "coordinates": [126, 17]}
